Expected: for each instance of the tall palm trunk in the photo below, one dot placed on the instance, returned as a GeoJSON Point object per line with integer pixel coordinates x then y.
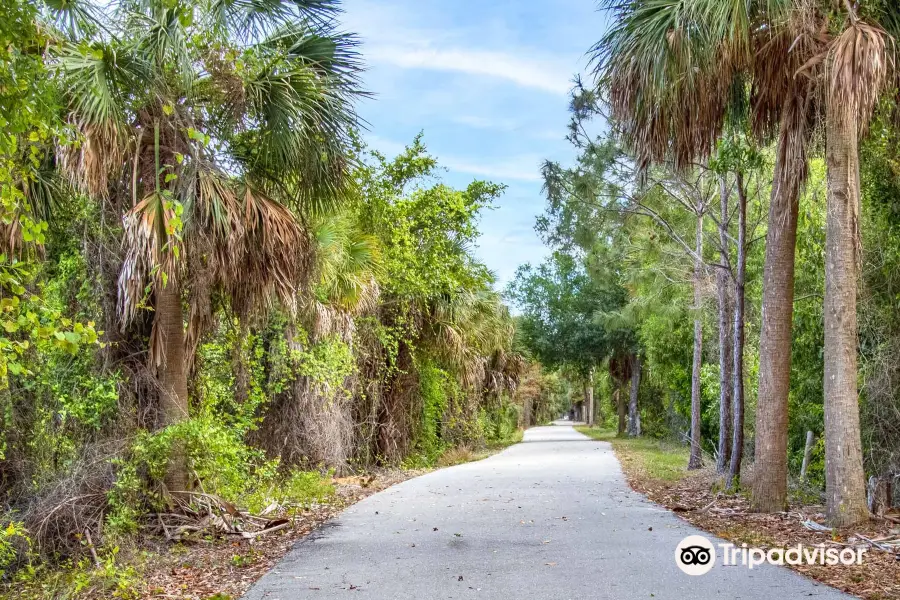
{"type": "Point", "coordinates": [845, 488]}
{"type": "Point", "coordinates": [737, 354]}
{"type": "Point", "coordinates": [725, 337]}
{"type": "Point", "coordinates": [695, 461]}
{"type": "Point", "coordinates": [173, 405]}
{"type": "Point", "coordinates": [770, 468]}
{"type": "Point", "coordinates": [634, 415]}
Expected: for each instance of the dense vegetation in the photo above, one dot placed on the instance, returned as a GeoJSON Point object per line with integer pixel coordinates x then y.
{"type": "Point", "coordinates": [209, 284]}
{"type": "Point", "coordinates": [723, 250]}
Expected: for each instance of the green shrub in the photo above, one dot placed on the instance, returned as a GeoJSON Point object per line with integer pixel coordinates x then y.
{"type": "Point", "coordinates": [433, 388]}
{"type": "Point", "coordinates": [223, 464]}
{"type": "Point", "coordinates": [13, 540]}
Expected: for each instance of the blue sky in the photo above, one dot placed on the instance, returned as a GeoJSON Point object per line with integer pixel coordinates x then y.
{"type": "Point", "coordinates": [487, 82]}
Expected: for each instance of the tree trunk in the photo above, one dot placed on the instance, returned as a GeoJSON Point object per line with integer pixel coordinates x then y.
{"type": "Point", "coordinates": [769, 492]}
{"type": "Point", "coordinates": [173, 399]}
{"type": "Point", "coordinates": [589, 397]}
{"type": "Point", "coordinates": [845, 487]}
{"type": "Point", "coordinates": [726, 362]}
{"type": "Point", "coordinates": [634, 415]}
{"type": "Point", "coordinates": [807, 453]}
{"type": "Point", "coordinates": [696, 461]}
{"type": "Point", "coordinates": [672, 421]}
{"type": "Point", "coordinates": [737, 354]}
{"type": "Point", "coordinates": [601, 418]}
{"type": "Point", "coordinates": [620, 408]}
{"type": "Point", "coordinates": [528, 412]}
{"type": "Point", "coordinates": [878, 499]}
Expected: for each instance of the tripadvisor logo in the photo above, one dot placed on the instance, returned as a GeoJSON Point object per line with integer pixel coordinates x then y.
{"type": "Point", "coordinates": [696, 555]}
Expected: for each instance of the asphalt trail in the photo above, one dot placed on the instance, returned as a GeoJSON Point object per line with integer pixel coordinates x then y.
{"type": "Point", "coordinates": [550, 518]}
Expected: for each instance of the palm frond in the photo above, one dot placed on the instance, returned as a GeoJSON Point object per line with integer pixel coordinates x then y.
{"type": "Point", "coordinates": [96, 76]}
{"type": "Point", "coordinates": [76, 19]}
{"type": "Point", "coordinates": [274, 251]}
{"type": "Point", "coordinates": [150, 255]}
{"type": "Point", "coordinates": [302, 96]}
{"type": "Point", "coordinates": [466, 328]}
{"type": "Point", "coordinates": [348, 263]}
{"type": "Point", "coordinates": [162, 39]}
{"type": "Point", "coordinates": [666, 77]}
{"type": "Point", "coordinates": [675, 70]}
{"type": "Point", "coordinates": [44, 191]}
{"type": "Point", "coordinates": [252, 19]}
{"type": "Point", "coordinates": [859, 70]}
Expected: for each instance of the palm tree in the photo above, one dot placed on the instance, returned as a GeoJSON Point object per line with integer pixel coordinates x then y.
{"type": "Point", "coordinates": [348, 263]}
{"type": "Point", "coordinates": [202, 124]}
{"type": "Point", "coordinates": [675, 70]}
{"type": "Point", "coordinates": [856, 68]}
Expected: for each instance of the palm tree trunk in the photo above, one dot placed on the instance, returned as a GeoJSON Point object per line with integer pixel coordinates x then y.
{"type": "Point", "coordinates": [695, 461]}
{"type": "Point", "coordinates": [634, 415]}
{"type": "Point", "coordinates": [173, 404]}
{"type": "Point", "coordinates": [737, 354]}
{"type": "Point", "coordinates": [769, 492]}
{"type": "Point", "coordinates": [845, 488]}
{"type": "Point", "coordinates": [725, 338]}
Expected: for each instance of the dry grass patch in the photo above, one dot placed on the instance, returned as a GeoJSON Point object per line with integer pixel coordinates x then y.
{"type": "Point", "coordinates": [458, 456]}
{"type": "Point", "coordinates": [463, 454]}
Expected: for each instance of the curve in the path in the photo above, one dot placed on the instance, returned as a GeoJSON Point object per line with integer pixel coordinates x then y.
{"type": "Point", "coordinates": [550, 518]}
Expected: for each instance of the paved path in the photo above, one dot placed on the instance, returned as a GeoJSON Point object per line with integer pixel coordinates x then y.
{"type": "Point", "coordinates": [551, 518]}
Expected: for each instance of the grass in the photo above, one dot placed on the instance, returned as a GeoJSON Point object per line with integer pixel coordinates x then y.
{"type": "Point", "coordinates": [463, 454]}
{"type": "Point", "coordinates": [514, 438]}
{"type": "Point", "coordinates": [456, 456]}
{"type": "Point", "coordinates": [644, 457]}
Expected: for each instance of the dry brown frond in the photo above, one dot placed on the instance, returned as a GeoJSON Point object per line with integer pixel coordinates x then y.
{"type": "Point", "coordinates": [12, 240]}
{"type": "Point", "coordinates": [859, 68]}
{"type": "Point", "coordinates": [214, 249]}
{"type": "Point", "coordinates": [274, 255]}
{"type": "Point", "coordinates": [782, 63]}
{"type": "Point", "coordinates": [504, 371]}
{"type": "Point", "coordinates": [681, 121]}
{"type": "Point", "coordinates": [148, 253]}
{"type": "Point", "coordinates": [329, 320]}
{"type": "Point", "coordinates": [670, 103]}
{"type": "Point", "coordinates": [97, 154]}
{"type": "Point", "coordinates": [225, 80]}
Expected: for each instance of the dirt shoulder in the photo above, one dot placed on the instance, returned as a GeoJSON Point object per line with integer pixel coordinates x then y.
{"type": "Point", "coordinates": [657, 469]}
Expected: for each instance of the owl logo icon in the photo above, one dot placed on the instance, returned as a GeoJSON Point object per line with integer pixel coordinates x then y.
{"type": "Point", "coordinates": [695, 555]}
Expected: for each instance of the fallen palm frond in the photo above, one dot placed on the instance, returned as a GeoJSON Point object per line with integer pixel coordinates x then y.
{"type": "Point", "coordinates": [200, 515]}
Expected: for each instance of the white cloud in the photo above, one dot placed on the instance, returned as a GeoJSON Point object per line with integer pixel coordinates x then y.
{"type": "Point", "coordinates": [532, 73]}
{"type": "Point", "coordinates": [525, 168]}
{"type": "Point", "coordinates": [487, 122]}
{"type": "Point", "coordinates": [520, 127]}
{"type": "Point", "coordinates": [391, 37]}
